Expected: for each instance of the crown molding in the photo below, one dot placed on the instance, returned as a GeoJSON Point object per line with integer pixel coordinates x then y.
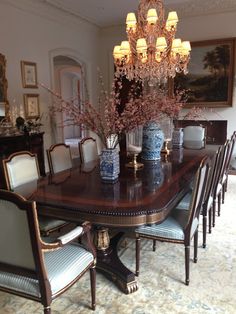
{"type": "Point", "coordinates": [54, 11]}
{"type": "Point", "coordinates": [46, 10]}
{"type": "Point", "coordinates": [69, 10]}
{"type": "Point", "coordinates": [208, 7]}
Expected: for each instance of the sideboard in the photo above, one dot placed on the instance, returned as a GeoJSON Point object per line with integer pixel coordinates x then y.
{"type": "Point", "coordinates": [15, 143]}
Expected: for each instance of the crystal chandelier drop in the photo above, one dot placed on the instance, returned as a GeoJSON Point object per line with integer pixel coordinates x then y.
{"type": "Point", "coordinates": [152, 53]}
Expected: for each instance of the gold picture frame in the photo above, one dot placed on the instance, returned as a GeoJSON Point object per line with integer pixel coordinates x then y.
{"type": "Point", "coordinates": [209, 82]}
{"type": "Point", "coordinates": [4, 104]}
{"type": "Point", "coordinates": [29, 74]}
{"type": "Point", "coordinates": [31, 102]}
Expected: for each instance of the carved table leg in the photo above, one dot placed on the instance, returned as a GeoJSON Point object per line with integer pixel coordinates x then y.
{"type": "Point", "coordinates": [110, 265]}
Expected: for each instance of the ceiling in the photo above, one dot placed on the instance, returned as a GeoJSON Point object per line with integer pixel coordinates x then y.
{"type": "Point", "coordinates": [104, 13]}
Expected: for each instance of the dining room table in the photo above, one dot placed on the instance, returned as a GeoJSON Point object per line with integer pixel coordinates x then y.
{"type": "Point", "coordinates": [138, 197]}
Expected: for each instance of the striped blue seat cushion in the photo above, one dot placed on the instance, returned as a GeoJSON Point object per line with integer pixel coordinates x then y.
{"type": "Point", "coordinates": [19, 283]}
{"type": "Point", "coordinates": [185, 202]}
{"type": "Point", "coordinates": [171, 228]}
{"type": "Point", "coordinates": [65, 264]}
{"type": "Point", "coordinates": [62, 267]}
{"type": "Point", "coordinates": [47, 224]}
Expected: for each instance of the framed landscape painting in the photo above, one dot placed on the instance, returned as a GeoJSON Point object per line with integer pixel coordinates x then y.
{"type": "Point", "coordinates": [209, 82]}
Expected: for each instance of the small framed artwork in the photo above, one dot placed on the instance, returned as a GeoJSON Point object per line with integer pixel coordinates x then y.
{"type": "Point", "coordinates": [209, 82]}
{"type": "Point", "coordinates": [29, 74]}
{"type": "Point", "coordinates": [31, 102]}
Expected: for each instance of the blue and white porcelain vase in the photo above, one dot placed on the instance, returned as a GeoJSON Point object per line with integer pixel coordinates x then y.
{"type": "Point", "coordinates": [153, 139]}
{"type": "Point", "coordinates": [109, 165]}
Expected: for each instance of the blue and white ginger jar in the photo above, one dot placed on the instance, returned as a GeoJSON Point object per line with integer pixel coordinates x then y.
{"type": "Point", "coordinates": [153, 139]}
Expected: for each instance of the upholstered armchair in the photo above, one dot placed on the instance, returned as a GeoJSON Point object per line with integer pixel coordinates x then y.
{"type": "Point", "coordinates": [59, 158]}
{"type": "Point", "coordinates": [36, 270]}
{"type": "Point", "coordinates": [181, 226]}
{"type": "Point", "coordinates": [21, 168]}
{"type": "Point", "coordinates": [88, 149]}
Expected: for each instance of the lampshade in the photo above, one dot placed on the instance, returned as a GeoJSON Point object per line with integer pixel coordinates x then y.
{"type": "Point", "coordinates": [186, 45]}
{"type": "Point", "coordinates": [172, 17]}
{"type": "Point", "coordinates": [176, 45]}
{"type": "Point", "coordinates": [131, 21]}
{"type": "Point", "coordinates": [152, 16]}
{"type": "Point", "coordinates": [161, 44]}
{"type": "Point", "coordinates": [125, 48]}
{"type": "Point", "coordinates": [141, 45]}
{"type": "Point", "coordinates": [117, 53]}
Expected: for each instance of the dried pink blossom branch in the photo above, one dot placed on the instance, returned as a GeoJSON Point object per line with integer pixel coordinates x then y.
{"type": "Point", "coordinates": [107, 122]}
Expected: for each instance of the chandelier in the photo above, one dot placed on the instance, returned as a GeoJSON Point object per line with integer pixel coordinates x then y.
{"type": "Point", "coordinates": [151, 53]}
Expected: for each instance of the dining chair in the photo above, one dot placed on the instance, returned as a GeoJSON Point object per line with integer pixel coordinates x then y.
{"type": "Point", "coordinates": [88, 149]}
{"type": "Point", "coordinates": [21, 168]}
{"type": "Point", "coordinates": [227, 167]}
{"type": "Point", "coordinates": [219, 192]}
{"type": "Point", "coordinates": [181, 226]}
{"type": "Point", "coordinates": [194, 137]}
{"type": "Point", "coordinates": [208, 200]}
{"type": "Point", "coordinates": [59, 158]}
{"type": "Point", "coordinates": [36, 270]}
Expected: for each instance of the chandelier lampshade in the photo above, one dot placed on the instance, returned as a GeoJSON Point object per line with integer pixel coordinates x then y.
{"type": "Point", "coordinates": [151, 53]}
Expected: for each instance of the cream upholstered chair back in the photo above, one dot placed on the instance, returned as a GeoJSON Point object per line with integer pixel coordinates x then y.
{"type": "Point", "coordinates": [15, 243]}
{"type": "Point", "coordinates": [59, 158]}
{"type": "Point", "coordinates": [194, 137]}
{"type": "Point", "coordinates": [20, 168]}
{"type": "Point", "coordinates": [88, 149]}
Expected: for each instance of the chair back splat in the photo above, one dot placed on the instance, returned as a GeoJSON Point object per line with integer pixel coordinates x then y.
{"type": "Point", "coordinates": [198, 195]}
{"type": "Point", "coordinates": [88, 149]}
{"type": "Point", "coordinates": [194, 137]}
{"type": "Point", "coordinates": [59, 158]}
{"type": "Point", "coordinates": [19, 168]}
{"type": "Point", "coordinates": [33, 269]}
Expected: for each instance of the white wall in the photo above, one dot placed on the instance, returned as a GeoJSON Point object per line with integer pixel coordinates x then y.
{"type": "Point", "coordinates": [31, 35]}
{"type": "Point", "coordinates": [193, 29]}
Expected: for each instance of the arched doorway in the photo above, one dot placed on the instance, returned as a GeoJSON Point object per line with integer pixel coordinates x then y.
{"type": "Point", "coordinates": [68, 79]}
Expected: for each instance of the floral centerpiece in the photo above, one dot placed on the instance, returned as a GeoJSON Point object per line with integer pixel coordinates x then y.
{"type": "Point", "coordinates": [152, 106]}
{"type": "Point", "coordinates": [106, 120]}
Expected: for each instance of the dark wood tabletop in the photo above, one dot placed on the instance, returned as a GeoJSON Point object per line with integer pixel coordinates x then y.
{"type": "Point", "coordinates": [138, 197]}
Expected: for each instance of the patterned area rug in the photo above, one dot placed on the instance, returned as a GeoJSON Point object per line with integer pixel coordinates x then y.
{"type": "Point", "coordinates": [162, 290]}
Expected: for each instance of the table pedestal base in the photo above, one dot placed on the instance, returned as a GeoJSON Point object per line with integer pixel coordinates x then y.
{"type": "Point", "coordinates": [111, 266]}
